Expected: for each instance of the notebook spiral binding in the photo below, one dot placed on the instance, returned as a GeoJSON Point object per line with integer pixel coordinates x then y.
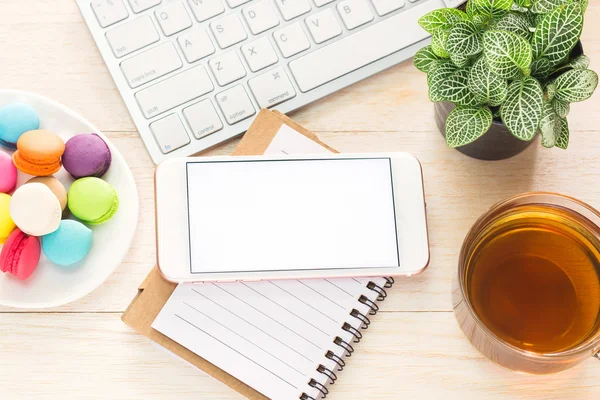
{"type": "Point", "coordinates": [348, 349]}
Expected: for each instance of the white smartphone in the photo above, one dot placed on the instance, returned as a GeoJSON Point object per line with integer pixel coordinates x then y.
{"type": "Point", "coordinates": [257, 218]}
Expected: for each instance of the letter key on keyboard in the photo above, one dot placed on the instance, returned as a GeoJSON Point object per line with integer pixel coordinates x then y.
{"type": "Point", "coordinates": [151, 64]}
{"type": "Point", "coordinates": [384, 7]}
{"type": "Point", "coordinates": [260, 16]}
{"type": "Point", "coordinates": [235, 104]}
{"type": "Point", "coordinates": [170, 134]}
{"type": "Point", "coordinates": [355, 51]}
{"type": "Point", "coordinates": [291, 40]}
{"type": "Point", "coordinates": [323, 26]}
{"type": "Point", "coordinates": [355, 13]}
{"type": "Point", "coordinates": [228, 31]}
{"type": "Point", "coordinates": [109, 12]}
{"type": "Point", "coordinates": [259, 54]}
{"type": "Point", "coordinates": [196, 44]}
{"type": "Point", "coordinates": [227, 68]}
{"type": "Point", "coordinates": [206, 9]}
{"type": "Point", "coordinates": [132, 36]}
{"type": "Point", "coordinates": [272, 88]}
{"type": "Point", "coordinates": [174, 91]}
{"type": "Point", "coordinates": [142, 5]}
{"type": "Point", "coordinates": [291, 9]}
{"type": "Point", "coordinates": [203, 118]}
{"type": "Point", "coordinates": [173, 18]}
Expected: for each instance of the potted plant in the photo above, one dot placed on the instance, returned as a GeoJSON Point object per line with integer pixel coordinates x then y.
{"type": "Point", "coordinates": [502, 70]}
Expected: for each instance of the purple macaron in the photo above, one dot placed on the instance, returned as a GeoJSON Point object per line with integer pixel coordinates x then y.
{"type": "Point", "coordinates": [86, 155]}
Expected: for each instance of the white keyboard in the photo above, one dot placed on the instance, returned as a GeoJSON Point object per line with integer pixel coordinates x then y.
{"type": "Point", "coordinates": [194, 72]}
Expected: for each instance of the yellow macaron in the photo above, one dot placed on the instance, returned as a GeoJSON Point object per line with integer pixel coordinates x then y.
{"type": "Point", "coordinates": [6, 223]}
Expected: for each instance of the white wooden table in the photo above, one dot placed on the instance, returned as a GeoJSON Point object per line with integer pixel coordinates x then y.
{"type": "Point", "coordinates": [414, 349]}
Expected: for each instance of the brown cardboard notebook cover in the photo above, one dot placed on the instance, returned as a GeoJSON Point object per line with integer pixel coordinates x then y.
{"type": "Point", "coordinates": [154, 292]}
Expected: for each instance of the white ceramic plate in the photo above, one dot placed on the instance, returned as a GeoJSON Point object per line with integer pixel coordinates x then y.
{"type": "Point", "coordinates": [52, 285]}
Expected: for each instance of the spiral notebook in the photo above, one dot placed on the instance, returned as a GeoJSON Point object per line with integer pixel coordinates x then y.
{"type": "Point", "coordinates": [332, 314]}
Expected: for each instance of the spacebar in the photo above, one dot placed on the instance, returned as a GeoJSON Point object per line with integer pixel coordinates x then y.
{"type": "Point", "coordinates": [362, 48]}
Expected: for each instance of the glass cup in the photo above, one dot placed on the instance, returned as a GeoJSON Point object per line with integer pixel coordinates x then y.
{"type": "Point", "coordinates": [497, 309]}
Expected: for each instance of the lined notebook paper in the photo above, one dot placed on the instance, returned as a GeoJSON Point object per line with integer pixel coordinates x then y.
{"type": "Point", "coordinates": [285, 338]}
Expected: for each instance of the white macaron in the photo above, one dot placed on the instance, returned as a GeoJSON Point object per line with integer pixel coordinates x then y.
{"type": "Point", "coordinates": [35, 209]}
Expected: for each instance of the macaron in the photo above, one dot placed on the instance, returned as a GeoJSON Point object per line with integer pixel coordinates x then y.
{"type": "Point", "coordinates": [92, 200]}
{"type": "Point", "coordinates": [15, 120]}
{"type": "Point", "coordinates": [55, 186]}
{"type": "Point", "coordinates": [86, 155]}
{"type": "Point", "coordinates": [6, 223]}
{"type": "Point", "coordinates": [69, 244]}
{"type": "Point", "coordinates": [8, 173]}
{"type": "Point", "coordinates": [35, 209]}
{"type": "Point", "coordinates": [20, 255]}
{"type": "Point", "coordinates": [38, 153]}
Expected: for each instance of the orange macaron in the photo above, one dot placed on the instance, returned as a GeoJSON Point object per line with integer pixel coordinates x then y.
{"type": "Point", "coordinates": [39, 153]}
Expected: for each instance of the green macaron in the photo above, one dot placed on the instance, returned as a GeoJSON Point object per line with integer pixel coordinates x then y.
{"type": "Point", "coordinates": [92, 200]}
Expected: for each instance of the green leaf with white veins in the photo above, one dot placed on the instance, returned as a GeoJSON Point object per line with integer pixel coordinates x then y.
{"type": "Point", "coordinates": [545, 6]}
{"type": "Point", "coordinates": [442, 18]}
{"type": "Point", "coordinates": [464, 125]}
{"type": "Point", "coordinates": [487, 87]}
{"type": "Point", "coordinates": [438, 43]}
{"type": "Point", "coordinates": [561, 108]}
{"type": "Point", "coordinates": [459, 60]}
{"type": "Point", "coordinates": [522, 109]}
{"type": "Point", "coordinates": [464, 39]}
{"type": "Point", "coordinates": [581, 62]}
{"type": "Point", "coordinates": [576, 85]}
{"type": "Point", "coordinates": [436, 77]}
{"type": "Point", "coordinates": [557, 33]}
{"type": "Point", "coordinates": [455, 89]}
{"type": "Point", "coordinates": [515, 23]}
{"type": "Point", "coordinates": [424, 58]}
{"type": "Point", "coordinates": [507, 54]}
{"type": "Point", "coordinates": [541, 68]}
{"type": "Point", "coordinates": [493, 8]}
{"type": "Point", "coordinates": [562, 141]}
{"type": "Point", "coordinates": [550, 126]}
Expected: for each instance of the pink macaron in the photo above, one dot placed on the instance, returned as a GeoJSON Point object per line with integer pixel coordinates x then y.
{"type": "Point", "coordinates": [20, 254]}
{"type": "Point", "coordinates": [8, 173]}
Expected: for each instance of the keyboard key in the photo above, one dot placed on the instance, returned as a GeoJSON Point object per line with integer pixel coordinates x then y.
{"type": "Point", "coordinates": [174, 91]}
{"type": "Point", "coordinates": [173, 18]}
{"type": "Point", "coordinates": [206, 9]}
{"type": "Point", "coordinates": [196, 44]}
{"type": "Point", "coordinates": [321, 3]}
{"type": "Point", "coordinates": [109, 12]}
{"type": "Point", "coordinates": [272, 88]}
{"type": "Point", "coordinates": [142, 5]}
{"type": "Point", "coordinates": [260, 16]}
{"type": "Point", "coordinates": [323, 26]}
{"type": "Point", "coordinates": [228, 31]}
{"type": "Point", "coordinates": [151, 64]}
{"type": "Point", "coordinates": [235, 104]}
{"type": "Point", "coordinates": [384, 7]}
{"type": "Point", "coordinates": [203, 118]}
{"type": "Point", "coordinates": [291, 40]}
{"type": "Point", "coordinates": [227, 68]}
{"type": "Point", "coordinates": [357, 50]}
{"type": "Point", "coordinates": [132, 36]}
{"type": "Point", "coordinates": [291, 9]}
{"type": "Point", "coordinates": [235, 3]}
{"type": "Point", "coordinates": [170, 134]}
{"type": "Point", "coordinates": [259, 54]}
{"type": "Point", "coordinates": [355, 13]}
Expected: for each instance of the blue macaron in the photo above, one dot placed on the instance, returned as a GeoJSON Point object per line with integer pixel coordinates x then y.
{"type": "Point", "coordinates": [69, 244]}
{"type": "Point", "coordinates": [15, 120]}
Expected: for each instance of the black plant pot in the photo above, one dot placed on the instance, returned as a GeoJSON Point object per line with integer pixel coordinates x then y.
{"type": "Point", "coordinates": [497, 143]}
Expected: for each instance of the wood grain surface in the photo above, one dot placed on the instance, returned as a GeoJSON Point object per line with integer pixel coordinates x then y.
{"type": "Point", "coordinates": [414, 349]}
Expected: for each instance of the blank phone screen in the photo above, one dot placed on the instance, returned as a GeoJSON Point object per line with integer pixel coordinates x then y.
{"type": "Point", "coordinates": [271, 215]}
